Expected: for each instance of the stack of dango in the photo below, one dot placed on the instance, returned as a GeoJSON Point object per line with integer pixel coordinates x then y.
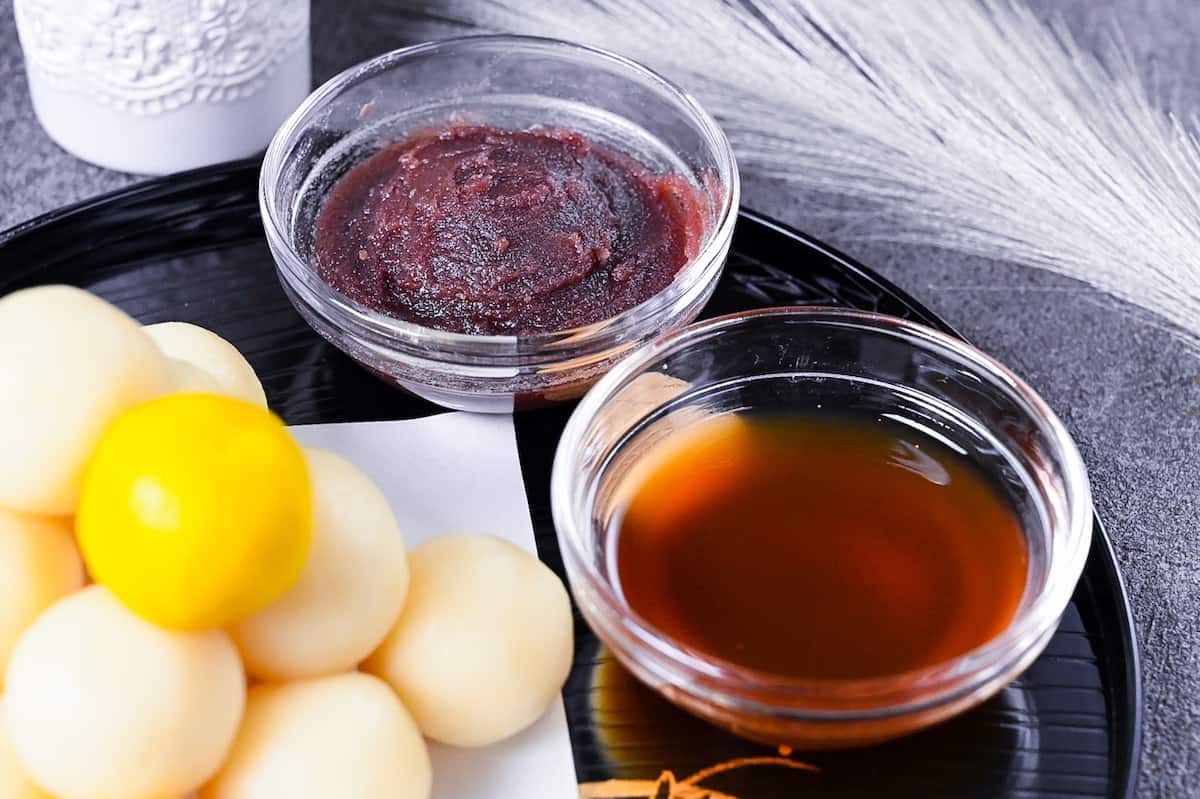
{"type": "Point", "coordinates": [192, 603]}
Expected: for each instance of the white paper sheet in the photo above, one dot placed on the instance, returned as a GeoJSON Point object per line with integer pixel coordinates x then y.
{"type": "Point", "coordinates": [459, 472]}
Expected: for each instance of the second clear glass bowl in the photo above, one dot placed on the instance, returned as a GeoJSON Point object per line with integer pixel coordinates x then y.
{"type": "Point", "coordinates": [819, 360]}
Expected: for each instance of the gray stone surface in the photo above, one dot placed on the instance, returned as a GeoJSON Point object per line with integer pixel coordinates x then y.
{"type": "Point", "coordinates": [1128, 389]}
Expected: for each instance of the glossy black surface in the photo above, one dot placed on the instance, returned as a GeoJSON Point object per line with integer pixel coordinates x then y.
{"type": "Point", "coordinates": [190, 248]}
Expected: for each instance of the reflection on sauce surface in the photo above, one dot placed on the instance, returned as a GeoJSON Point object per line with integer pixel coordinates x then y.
{"type": "Point", "coordinates": [821, 548]}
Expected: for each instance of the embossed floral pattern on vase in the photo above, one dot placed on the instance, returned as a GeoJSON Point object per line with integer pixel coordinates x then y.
{"type": "Point", "coordinates": [150, 56]}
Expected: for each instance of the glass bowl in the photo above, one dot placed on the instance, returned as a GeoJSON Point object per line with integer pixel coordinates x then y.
{"type": "Point", "coordinates": [821, 360]}
{"type": "Point", "coordinates": [511, 82]}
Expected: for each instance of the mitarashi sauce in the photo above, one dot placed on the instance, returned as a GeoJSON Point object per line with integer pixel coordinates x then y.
{"type": "Point", "coordinates": [474, 229]}
{"type": "Point", "coordinates": [819, 548]}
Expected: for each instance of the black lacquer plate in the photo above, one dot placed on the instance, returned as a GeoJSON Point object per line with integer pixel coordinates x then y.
{"type": "Point", "coordinates": [190, 247]}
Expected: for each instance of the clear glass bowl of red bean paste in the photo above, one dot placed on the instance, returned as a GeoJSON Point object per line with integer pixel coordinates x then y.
{"type": "Point", "coordinates": [493, 222]}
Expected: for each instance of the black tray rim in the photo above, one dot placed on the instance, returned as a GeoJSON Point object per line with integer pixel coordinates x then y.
{"type": "Point", "coordinates": [147, 188]}
{"type": "Point", "coordinates": [1128, 751]}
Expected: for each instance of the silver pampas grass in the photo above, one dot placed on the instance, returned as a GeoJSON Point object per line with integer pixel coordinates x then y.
{"type": "Point", "coordinates": [965, 124]}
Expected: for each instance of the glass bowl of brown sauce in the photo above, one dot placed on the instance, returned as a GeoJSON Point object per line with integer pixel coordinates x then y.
{"type": "Point", "coordinates": [492, 222]}
{"type": "Point", "coordinates": [820, 528]}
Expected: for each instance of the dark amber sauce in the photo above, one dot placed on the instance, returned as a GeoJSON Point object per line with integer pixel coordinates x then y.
{"type": "Point", "coordinates": [819, 548]}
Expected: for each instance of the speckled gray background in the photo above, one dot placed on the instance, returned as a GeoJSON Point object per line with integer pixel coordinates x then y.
{"type": "Point", "coordinates": [1129, 392]}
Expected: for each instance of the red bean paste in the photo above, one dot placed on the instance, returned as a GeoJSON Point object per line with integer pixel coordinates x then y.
{"type": "Point", "coordinates": [479, 230]}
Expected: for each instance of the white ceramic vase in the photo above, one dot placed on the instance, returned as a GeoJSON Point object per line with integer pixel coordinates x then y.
{"type": "Point", "coordinates": [157, 86]}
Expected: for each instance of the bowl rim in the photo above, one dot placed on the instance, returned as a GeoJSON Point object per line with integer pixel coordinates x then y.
{"type": "Point", "coordinates": [384, 327]}
{"type": "Point", "coordinates": [728, 684]}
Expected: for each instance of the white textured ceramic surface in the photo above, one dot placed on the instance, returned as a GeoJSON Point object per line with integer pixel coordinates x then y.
{"type": "Point", "coordinates": [156, 86]}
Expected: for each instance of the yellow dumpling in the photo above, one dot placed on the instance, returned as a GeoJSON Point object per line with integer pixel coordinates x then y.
{"type": "Point", "coordinates": [345, 736]}
{"type": "Point", "coordinates": [100, 704]}
{"type": "Point", "coordinates": [211, 354]}
{"type": "Point", "coordinates": [484, 643]}
{"type": "Point", "coordinates": [71, 364]}
{"type": "Point", "coordinates": [350, 592]}
{"type": "Point", "coordinates": [14, 782]}
{"type": "Point", "coordinates": [38, 565]}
